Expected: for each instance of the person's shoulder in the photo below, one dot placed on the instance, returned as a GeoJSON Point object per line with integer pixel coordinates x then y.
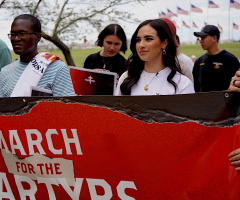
{"type": "Point", "coordinates": [184, 57]}
{"type": "Point", "coordinates": [92, 58]}
{"type": "Point", "coordinates": [227, 53]}
{"type": "Point", "coordinates": [3, 45]}
{"type": "Point", "coordinates": [199, 59]}
{"type": "Point", "coordinates": [181, 78]}
{"type": "Point", "coordinates": [229, 58]}
{"type": "Point", "coordinates": [120, 56]}
{"type": "Point", "coordinates": [203, 56]}
{"type": "Point", "coordinates": [10, 66]}
{"type": "Point", "coordinates": [93, 55]}
{"type": "Point", "coordinates": [58, 63]}
{"type": "Point", "coordinates": [185, 85]}
{"type": "Point", "coordinates": [123, 76]}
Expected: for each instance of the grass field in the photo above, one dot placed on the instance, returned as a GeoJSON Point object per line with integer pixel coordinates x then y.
{"type": "Point", "coordinates": [79, 55]}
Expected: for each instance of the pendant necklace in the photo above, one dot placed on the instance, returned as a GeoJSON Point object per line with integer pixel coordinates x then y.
{"type": "Point", "coordinates": [146, 85]}
{"type": "Point", "coordinates": [104, 63]}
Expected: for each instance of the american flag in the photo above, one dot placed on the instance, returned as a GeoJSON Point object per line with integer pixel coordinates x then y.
{"type": "Point", "coordinates": [185, 25]}
{"type": "Point", "coordinates": [211, 4]}
{"type": "Point", "coordinates": [196, 9]}
{"type": "Point", "coordinates": [194, 25]}
{"type": "Point", "coordinates": [235, 26]}
{"type": "Point", "coordinates": [162, 14]}
{"type": "Point", "coordinates": [181, 11]}
{"type": "Point", "coordinates": [234, 4]}
{"type": "Point", "coordinates": [170, 13]}
{"type": "Point", "coordinates": [220, 28]}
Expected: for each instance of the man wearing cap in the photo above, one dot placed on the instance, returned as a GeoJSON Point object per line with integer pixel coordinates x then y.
{"type": "Point", "coordinates": [213, 71]}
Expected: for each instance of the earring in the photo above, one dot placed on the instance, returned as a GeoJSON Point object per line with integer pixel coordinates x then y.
{"type": "Point", "coordinates": [164, 52]}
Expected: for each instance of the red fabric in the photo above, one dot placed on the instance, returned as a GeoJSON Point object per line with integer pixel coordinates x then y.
{"type": "Point", "coordinates": [164, 161]}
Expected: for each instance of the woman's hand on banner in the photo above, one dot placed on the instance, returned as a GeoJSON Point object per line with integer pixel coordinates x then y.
{"type": "Point", "coordinates": [235, 158]}
{"type": "Point", "coordinates": [235, 82]}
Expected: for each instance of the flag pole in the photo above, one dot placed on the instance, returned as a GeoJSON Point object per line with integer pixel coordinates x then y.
{"type": "Point", "coordinates": [207, 12]}
{"type": "Point", "coordinates": [229, 23]}
{"type": "Point", "coordinates": [190, 30]}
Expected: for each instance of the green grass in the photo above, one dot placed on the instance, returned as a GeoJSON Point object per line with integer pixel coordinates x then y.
{"type": "Point", "coordinates": [196, 49]}
{"type": "Point", "coordinates": [79, 55]}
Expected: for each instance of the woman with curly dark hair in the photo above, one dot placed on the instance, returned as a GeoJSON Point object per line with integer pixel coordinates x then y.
{"type": "Point", "coordinates": [153, 68]}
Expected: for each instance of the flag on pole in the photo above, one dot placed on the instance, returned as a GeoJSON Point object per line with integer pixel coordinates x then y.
{"type": "Point", "coordinates": [162, 14]}
{"type": "Point", "coordinates": [170, 13]}
{"type": "Point", "coordinates": [196, 9]}
{"type": "Point", "coordinates": [185, 25]}
{"type": "Point", "coordinates": [220, 28]}
{"type": "Point", "coordinates": [234, 4]}
{"type": "Point", "coordinates": [211, 4]}
{"type": "Point", "coordinates": [181, 11]}
{"type": "Point", "coordinates": [194, 25]}
{"type": "Point", "coordinates": [235, 26]}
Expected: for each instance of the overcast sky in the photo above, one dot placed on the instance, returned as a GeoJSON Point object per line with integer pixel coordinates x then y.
{"type": "Point", "coordinates": [224, 16]}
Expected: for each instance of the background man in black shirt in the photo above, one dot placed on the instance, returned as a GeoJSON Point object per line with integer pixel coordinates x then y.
{"type": "Point", "coordinates": [213, 71]}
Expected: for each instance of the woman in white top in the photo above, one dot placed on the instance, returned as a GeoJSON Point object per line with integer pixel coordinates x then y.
{"type": "Point", "coordinates": [152, 67]}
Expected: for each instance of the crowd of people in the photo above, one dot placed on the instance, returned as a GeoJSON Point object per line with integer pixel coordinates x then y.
{"type": "Point", "coordinates": [155, 67]}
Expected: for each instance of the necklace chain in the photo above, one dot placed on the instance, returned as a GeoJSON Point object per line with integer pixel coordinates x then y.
{"type": "Point", "coordinates": [104, 64]}
{"type": "Point", "coordinates": [147, 84]}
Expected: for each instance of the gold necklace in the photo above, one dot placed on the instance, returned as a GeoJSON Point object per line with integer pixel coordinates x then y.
{"type": "Point", "coordinates": [146, 85]}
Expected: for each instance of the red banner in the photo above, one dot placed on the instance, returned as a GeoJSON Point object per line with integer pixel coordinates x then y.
{"type": "Point", "coordinates": [119, 147]}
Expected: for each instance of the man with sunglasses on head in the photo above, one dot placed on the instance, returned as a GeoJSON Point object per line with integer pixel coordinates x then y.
{"type": "Point", "coordinates": [39, 70]}
{"type": "Point", "coordinates": [213, 71]}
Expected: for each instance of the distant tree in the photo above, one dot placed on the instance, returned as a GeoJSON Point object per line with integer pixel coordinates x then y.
{"type": "Point", "coordinates": [71, 20]}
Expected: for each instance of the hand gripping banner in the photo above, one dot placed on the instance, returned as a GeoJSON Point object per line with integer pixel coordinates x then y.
{"type": "Point", "coordinates": [107, 147]}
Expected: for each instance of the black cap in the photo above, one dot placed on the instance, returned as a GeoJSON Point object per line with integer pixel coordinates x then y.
{"type": "Point", "coordinates": [208, 30]}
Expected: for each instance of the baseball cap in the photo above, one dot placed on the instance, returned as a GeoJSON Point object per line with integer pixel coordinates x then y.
{"type": "Point", "coordinates": [208, 30]}
{"type": "Point", "coordinates": [173, 29]}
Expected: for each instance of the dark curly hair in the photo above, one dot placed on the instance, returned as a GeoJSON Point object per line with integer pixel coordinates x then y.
{"type": "Point", "coordinates": [135, 65]}
{"type": "Point", "coordinates": [113, 29]}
